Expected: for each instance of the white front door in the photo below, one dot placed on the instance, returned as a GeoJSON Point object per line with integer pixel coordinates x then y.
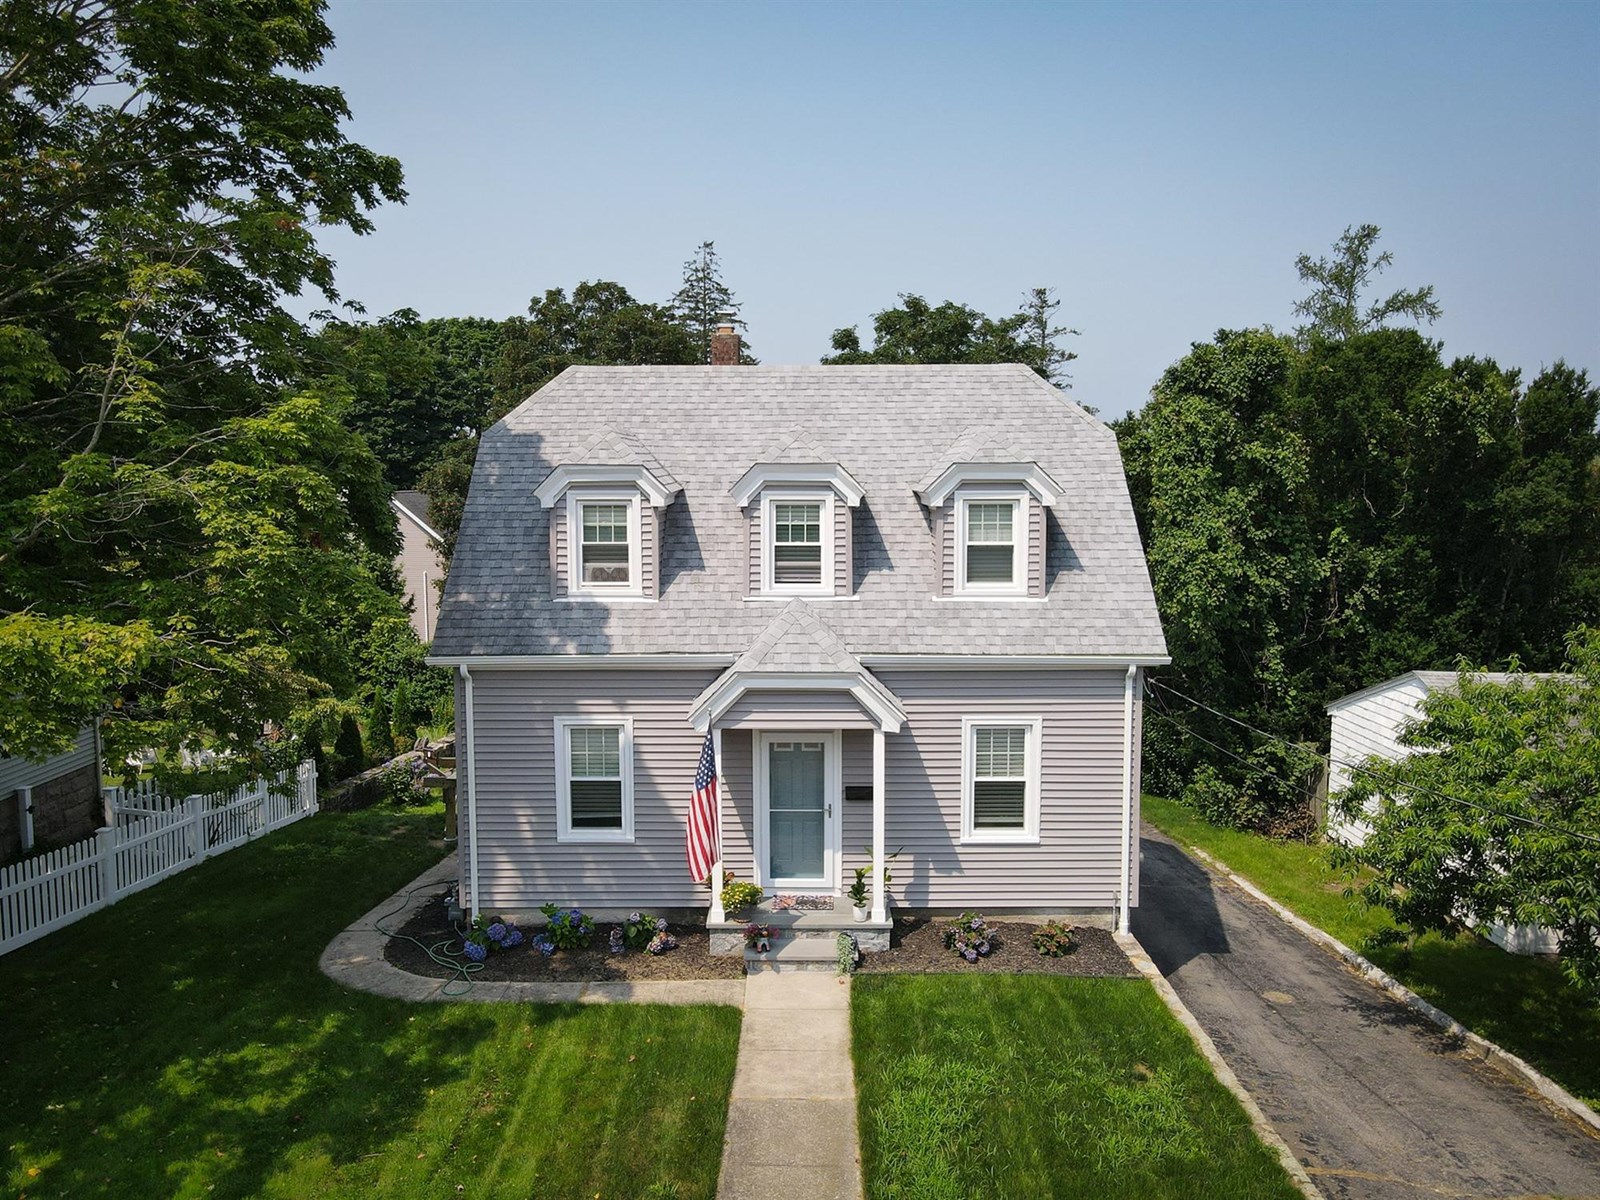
{"type": "Point", "coordinates": [799, 780]}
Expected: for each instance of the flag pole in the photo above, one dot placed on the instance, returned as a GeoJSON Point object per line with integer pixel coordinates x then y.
{"type": "Point", "coordinates": [717, 915]}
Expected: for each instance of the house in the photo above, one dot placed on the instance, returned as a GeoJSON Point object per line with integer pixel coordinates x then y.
{"type": "Point", "coordinates": [418, 561]}
{"type": "Point", "coordinates": [1368, 724]}
{"type": "Point", "coordinates": [908, 604]}
{"type": "Point", "coordinates": [50, 802]}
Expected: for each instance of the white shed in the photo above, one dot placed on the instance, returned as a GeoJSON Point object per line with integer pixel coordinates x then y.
{"type": "Point", "coordinates": [1369, 722]}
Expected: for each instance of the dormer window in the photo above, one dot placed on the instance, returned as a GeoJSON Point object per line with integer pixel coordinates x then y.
{"type": "Point", "coordinates": [606, 541]}
{"type": "Point", "coordinates": [989, 545]}
{"type": "Point", "coordinates": [797, 545]}
{"type": "Point", "coordinates": [603, 550]}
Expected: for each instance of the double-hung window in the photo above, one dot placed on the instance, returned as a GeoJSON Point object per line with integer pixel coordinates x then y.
{"type": "Point", "coordinates": [1000, 779]}
{"type": "Point", "coordinates": [603, 550]}
{"type": "Point", "coordinates": [594, 779]}
{"type": "Point", "coordinates": [603, 532]}
{"type": "Point", "coordinates": [797, 546]}
{"type": "Point", "coordinates": [988, 536]}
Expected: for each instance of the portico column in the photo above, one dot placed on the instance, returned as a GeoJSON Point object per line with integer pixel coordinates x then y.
{"type": "Point", "coordinates": [716, 913]}
{"type": "Point", "coordinates": [879, 908]}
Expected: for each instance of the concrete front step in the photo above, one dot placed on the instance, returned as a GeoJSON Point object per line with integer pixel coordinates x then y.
{"type": "Point", "coordinates": [797, 949]}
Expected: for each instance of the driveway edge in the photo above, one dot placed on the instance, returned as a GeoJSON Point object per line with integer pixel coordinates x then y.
{"type": "Point", "coordinates": [355, 959]}
{"type": "Point", "coordinates": [1264, 1128]}
{"type": "Point", "coordinates": [1518, 1069]}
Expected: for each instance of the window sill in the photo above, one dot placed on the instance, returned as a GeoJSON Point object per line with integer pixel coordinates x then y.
{"type": "Point", "coordinates": [1020, 839]}
{"type": "Point", "coordinates": [594, 839]}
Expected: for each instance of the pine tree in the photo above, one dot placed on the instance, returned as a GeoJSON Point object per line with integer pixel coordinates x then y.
{"type": "Point", "coordinates": [1039, 330]}
{"type": "Point", "coordinates": [404, 716]}
{"type": "Point", "coordinates": [703, 299]}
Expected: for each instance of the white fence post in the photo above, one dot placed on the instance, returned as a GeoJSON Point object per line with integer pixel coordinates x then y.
{"type": "Point", "coordinates": [105, 852]}
{"type": "Point", "coordinates": [192, 807]}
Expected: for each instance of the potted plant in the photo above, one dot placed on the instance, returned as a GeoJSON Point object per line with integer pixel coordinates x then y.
{"type": "Point", "coordinates": [858, 895]}
{"type": "Point", "coordinates": [738, 895]}
{"type": "Point", "coordinates": [759, 937]}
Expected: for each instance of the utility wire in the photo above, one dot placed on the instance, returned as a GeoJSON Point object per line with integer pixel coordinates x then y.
{"type": "Point", "coordinates": [1354, 767]}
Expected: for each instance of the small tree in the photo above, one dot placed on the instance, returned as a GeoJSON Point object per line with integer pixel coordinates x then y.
{"type": "Point", "coordinates": [1039, 330]}
{"type": "Point", "coordinates": [380, 736]}
{"type": "Point", "coordinates": [1498, 814]}
{"type": "Point", "coordinates": [348, 754]}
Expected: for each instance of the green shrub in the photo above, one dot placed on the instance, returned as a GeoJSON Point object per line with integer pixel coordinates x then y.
{"type": "Point", "coordinates": [1055, 939]}
{"type": "Point", "coordinates": [403, 716]}
{"type": "Point", "coordinates": [398, 783]}
{"type": "Point", "coordinates": [568, 928]}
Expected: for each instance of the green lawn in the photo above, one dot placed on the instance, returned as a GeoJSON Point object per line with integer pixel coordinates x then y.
{"type": "Point", "coordinates": [1520, 1003]}
{"type": "Point", "coordinates": [1040, 1086]}
{"type": "Point", "coordinates": [183, 1043]}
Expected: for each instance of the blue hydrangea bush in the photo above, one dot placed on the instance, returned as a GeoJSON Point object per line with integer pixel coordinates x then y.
{"type": "Point", "coordinates": [568, 929]}
{"type": "Point", "coordinates": [970, 938]}
{"type": "Point", "coordinates": [487, 935]}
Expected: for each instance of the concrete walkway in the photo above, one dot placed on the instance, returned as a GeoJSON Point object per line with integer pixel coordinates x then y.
{"type": "Point", "coordinates": [792, 1119]}
{"type": "Point", "coordinates": [1374, 1099]}
{"type": "Point", "coordinates": [355, 959]}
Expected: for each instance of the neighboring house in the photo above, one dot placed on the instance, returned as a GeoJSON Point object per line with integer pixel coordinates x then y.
{"type": "Point", "coordinates": [909, 603]}
{"type": "Point", "coordinates": [1369, 723]}
{"type": "Point", "coordinates": [418, 561]}
{"type": "Point", "coordinates": [53, 802]}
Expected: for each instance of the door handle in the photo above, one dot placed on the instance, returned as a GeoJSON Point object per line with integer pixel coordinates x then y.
{"type": "Point", "coordinates": [830, 811]}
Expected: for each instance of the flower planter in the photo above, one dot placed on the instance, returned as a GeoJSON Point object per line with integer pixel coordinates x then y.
{"type": "Point", "coordinates": [860, 914]}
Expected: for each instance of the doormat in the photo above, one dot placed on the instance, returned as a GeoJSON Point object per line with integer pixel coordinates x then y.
{"type": "Point", "coordinates": [823, 903]}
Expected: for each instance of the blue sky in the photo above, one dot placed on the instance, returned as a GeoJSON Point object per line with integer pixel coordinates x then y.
{"type": "Point", "coordinates": [1159, 164]}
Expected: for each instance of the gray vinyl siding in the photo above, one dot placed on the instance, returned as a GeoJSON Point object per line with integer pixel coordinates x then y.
{"type": "Point", "coordinates": [1076, 862]}
{"type": "Point", "coordinates": [420, 572]}
{"type": "Point", "coordinates": [649, 544]}
{"type": "Point", "coordinates": [841, 548]}
{"type": "Point", "coordinates": [26, 772]}
{"type": "Point", "coordinates": [795, 710]}
{"type": "Point", "coordinates": [944, 542]}
{"type": "Point", "coordinates": [520, 862]}
{"type": "Point", "coordinates": [559, 550]}
{"type": "Point", "coordinates": [1035, 550]}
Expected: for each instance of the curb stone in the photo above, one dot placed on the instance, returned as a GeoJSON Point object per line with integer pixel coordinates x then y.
{"type": "Point", "coordinates": [1264, 1128]}
{"type": "Point", "coordinates": [1519, 1070]}
{"type": "Point", "coordinates": [355, 960]}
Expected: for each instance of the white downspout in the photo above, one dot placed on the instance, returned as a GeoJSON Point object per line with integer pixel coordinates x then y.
{"type": "Point", "coordinates": [472, 801]}
{"type": "Point", "coordinates": [1127, 797]}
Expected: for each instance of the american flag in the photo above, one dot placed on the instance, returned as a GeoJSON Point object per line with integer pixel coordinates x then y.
{"type": "Point", "coordinates": [703, 846]}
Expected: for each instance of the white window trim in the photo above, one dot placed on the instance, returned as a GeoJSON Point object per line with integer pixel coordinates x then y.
{"type": "Point", "coordinates": [563, 766]}
{"type": "Point", "coordinates": [1021, 537]}
{"type": "Point", "coordinates": [576, 586]}
{"type": "Point", "coordinates": [1028, 835]}
{"type": "Point", "coordinates": [769, 503]}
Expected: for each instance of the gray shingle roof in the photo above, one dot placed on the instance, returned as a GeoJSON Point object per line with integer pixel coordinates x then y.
{"type": "Point", "coordinates": [613, 448]}
{"type": "Point", "coordinates": [888, 427]}
{"type": "Point", "coordinates": [797, 641]}
{"type": "Point", "coordinates": [417, 503]}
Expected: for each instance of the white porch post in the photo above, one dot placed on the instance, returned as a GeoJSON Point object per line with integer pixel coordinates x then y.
{"type": "Point", "coordinates": [716, 913]}
{"type": "Point", "coordinates": [879, 910]}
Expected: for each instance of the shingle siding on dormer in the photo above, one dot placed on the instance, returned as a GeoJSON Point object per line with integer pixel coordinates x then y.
{"type": "Point", "coordinates": [1032, 559]}
{"type": "Point", "coordinates": [843, 538]}
{"type": "Point", "coordinates": [1036, 548]}
{"type": "Point", "coordinates": [842, 566]}
{"type": "Point", "coordinates": [560, 551]}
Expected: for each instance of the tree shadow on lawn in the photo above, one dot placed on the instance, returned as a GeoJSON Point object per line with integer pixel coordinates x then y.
{"type": "Point", "coordinates": [184, 1040]}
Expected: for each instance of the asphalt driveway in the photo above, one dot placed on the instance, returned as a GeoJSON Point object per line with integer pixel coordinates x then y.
{"type": "Point", "coordinates": [1375, 1100]}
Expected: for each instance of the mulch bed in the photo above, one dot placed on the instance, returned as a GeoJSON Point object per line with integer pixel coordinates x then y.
{"type": "Point", "coordinates": [691, 959]}
{"type": "Point", "coordinates": [916, 947]}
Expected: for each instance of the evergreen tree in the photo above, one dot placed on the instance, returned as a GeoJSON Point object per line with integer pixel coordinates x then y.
{"type": "Point", "coordinates": [1333, 308]}
{"type": "Point", "coordinates": [380, 737]}
{"type": "Point", "coordinates": [1039, 330]}
{"type": "Point", "coordinates": [349, 756]}
{"type": "Point", "coordinates": [403, 716]}
{"type": "Point", "coordinates": [703, 300]}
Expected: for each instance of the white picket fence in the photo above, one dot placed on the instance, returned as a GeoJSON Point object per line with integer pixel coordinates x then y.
{"type": "Point", "coordinates": [151, 837]}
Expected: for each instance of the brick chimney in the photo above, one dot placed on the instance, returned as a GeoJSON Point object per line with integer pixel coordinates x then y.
{"type": "Point", "coordinates": [725, 342]}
